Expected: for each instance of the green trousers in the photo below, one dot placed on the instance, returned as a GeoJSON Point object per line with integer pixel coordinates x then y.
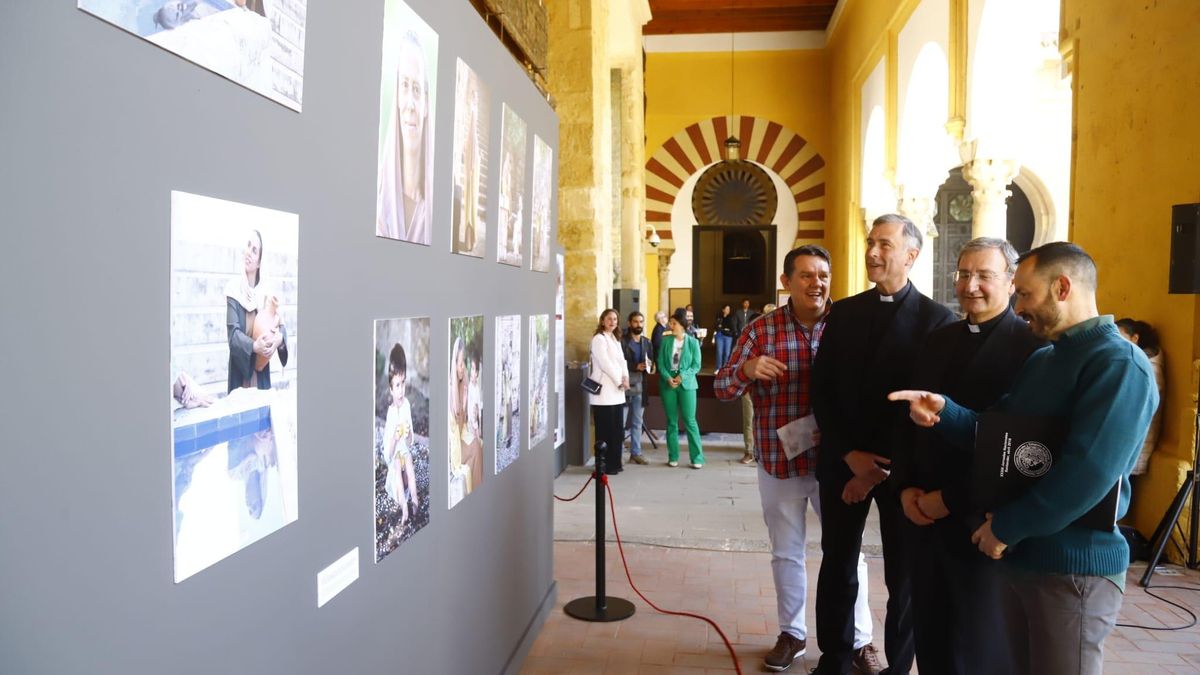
{"type": "Point", "coordinates": [673, 401]}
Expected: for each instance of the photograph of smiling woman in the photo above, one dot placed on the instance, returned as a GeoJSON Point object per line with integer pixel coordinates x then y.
{"type": "Point", "coordinates": [402, 209]}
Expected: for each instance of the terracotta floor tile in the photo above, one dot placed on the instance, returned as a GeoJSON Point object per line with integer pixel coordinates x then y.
{"type": "Point", "coordinates": [736, 590]}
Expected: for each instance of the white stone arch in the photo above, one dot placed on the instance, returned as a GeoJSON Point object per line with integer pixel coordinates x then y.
{"type": "Point", "coordinates": [1018, 113]}
{"type": "Point", "coordinates": [1018, 99]}
{"type": "Point", "coordinates": [877, 196]}
{"type": "Point", "coordinates": [683, 219]}
{"type": "Point", "coordinates": [1045, 215]}
{"type": "Point", "coordinates": [925, 152]}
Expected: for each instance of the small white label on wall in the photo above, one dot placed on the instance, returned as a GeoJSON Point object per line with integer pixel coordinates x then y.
{"type": "Point", "coordinates": [335, 578]}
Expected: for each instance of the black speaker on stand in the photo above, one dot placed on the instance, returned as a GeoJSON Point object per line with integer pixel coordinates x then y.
{"type": "Point", "coordinates": [1184, 278]}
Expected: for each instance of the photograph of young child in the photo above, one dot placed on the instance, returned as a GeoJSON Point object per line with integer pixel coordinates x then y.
{"type": "Point", "coordinates": [401, 425]}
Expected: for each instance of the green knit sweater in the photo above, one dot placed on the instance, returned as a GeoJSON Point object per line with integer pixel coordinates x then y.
{"type": "Point", "coordinates": [1103, 386]}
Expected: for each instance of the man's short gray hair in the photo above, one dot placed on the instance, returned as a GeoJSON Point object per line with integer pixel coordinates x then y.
{"type": "Point", "coordinates": [985, 243]}
{"type": "Point", "coordinates": [660, 316]}
{"type": "Point", "coordinates": [911, 232]}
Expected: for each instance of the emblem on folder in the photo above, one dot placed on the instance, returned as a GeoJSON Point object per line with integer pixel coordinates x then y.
{"type": "Point", "coordinates": [1033, 459]}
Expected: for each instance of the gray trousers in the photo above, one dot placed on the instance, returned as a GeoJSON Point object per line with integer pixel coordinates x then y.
{"type": "Point", "coordinates": [1057, 622]}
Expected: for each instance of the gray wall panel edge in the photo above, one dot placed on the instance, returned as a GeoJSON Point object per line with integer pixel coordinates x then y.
{"type": "Point", "coordinates": [98, 127]}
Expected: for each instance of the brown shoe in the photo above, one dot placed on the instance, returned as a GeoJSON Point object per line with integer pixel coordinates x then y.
{"type": "Point", "coordinates": [866, 660]}
{"type": "Point", "coordinates": [747, 458]}
{"type": "Point", "coordinates": [639, 459]}
{"type": "Point", "coordinates": [787, 649]}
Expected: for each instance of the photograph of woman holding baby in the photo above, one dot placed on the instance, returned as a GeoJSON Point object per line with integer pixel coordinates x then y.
{"type": "Point", "coordinates": [234, 354]}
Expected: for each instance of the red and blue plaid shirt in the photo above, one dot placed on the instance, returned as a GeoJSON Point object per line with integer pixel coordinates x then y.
{"type": "Point", "coordinates": [781, 336]}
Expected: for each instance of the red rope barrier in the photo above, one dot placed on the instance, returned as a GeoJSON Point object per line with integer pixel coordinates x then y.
{"type": "Point", "coordinates": [586, 483]}
{"type": "Point", "coordinates": [613, 509]}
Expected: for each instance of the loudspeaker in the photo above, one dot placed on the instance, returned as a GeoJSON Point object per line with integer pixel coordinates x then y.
{"type": "Point", "coordinates": [626, 300]}
{"type": "Point", "coordinates": [1185, 249]}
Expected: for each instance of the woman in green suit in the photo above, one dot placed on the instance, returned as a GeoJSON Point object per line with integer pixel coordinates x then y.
{"type": "Point", "coordinates": [678, 363]}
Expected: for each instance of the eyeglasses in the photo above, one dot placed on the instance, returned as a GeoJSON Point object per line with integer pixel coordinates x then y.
{"type": "Point", "coordinates": [983, 276]}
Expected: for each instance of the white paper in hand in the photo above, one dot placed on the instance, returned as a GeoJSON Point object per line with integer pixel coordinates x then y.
{"type": "Point", "coordinates": [797, 436]}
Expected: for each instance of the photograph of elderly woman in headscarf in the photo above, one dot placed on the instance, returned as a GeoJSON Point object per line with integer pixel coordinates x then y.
{"type": "Point", "coordinates": [407, 103]}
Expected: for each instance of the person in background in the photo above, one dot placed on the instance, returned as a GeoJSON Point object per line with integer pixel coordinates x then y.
{"type": "Point", "coordinates": [660, 328]}
{"type": "Point", "coordinates": [678, 363]}
{"type": "Point", "coordinates": [1144, 336]}
{"type": "Point", "coordinates": [743, 317]}
{"type": "Point", "coordinates": [690, 327]}
{"type": "Point", "coordinates": [723, 335]}
{"type": "Point", "coordinates": [639, 358]}
{"type": "Point", "coordinates": [609, 369]}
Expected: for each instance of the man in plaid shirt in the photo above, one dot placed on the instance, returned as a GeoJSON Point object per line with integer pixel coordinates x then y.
{"type": "Point", "coordinates": [771, 362]}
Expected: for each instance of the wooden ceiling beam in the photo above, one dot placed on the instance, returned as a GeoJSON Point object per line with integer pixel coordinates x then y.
{"type": "Point", "coordinates": [742, 16]}
{"type": "Point", "coordinates": [657, 6]}
{"type": "Point", "coordinates": [694, 24]}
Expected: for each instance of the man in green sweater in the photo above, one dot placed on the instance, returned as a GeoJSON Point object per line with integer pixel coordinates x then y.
{"type": "Point", "coordinates": [1064, 581]}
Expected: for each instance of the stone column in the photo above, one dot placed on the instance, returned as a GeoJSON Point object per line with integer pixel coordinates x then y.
{"type": "Point", "coordinates": [990, 179]}
{"type": "Point", "coordinates": [633, 177]}
{"type": "Point", "coordinates": [580, 80]}
{"type": "Point", "coordinates": [665, 250]}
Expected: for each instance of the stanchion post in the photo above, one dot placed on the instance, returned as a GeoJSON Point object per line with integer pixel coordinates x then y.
{"type": "Point", "coordinates": [600, 607]}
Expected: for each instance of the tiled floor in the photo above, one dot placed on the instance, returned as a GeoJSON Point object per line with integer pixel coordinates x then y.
{"type": "Point", "coordinates": [724, 573]}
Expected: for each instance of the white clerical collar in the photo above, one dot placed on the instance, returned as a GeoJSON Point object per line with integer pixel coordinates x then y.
{"type": "Point", "coordinates": [973, 327]}
{"type": "Point", "coordinates": [886, 298]}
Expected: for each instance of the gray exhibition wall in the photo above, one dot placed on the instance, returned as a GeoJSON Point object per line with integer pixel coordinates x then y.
{"type": "Point", "coordinates": [97, 127]}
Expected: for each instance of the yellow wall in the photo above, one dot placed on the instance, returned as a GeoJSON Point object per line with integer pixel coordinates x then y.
{"type": "Point", "coordinates": [650, 302]}
{"type": "Point", "coordinates": [859, 40]}
{"type": "Point", "coordinates": [787, 87]}
{"type": "Point", "coordinates": [1137, 152]}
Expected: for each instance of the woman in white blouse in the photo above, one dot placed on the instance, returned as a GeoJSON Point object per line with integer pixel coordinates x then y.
{"type": "Point", "coordinates": [608, 367]}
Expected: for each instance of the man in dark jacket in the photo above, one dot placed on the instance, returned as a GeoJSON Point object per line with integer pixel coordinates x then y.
{"type": "Point", "coordinates": [639, 356]}
{"type": "Point", "coordinates": [743, 317]}
{"type": "Point", "coordinates": [957, 614]}
{"type": "Point", "coordinates": [870, 343]}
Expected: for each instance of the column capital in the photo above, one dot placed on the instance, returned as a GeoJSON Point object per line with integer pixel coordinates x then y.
{"type": "Point", "coordinates": [989, 179]}
{"type": "Point", "coordinates": [919, 207]}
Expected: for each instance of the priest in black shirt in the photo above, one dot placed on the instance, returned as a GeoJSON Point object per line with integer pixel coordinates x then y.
{"type": "Point", "coordinates": [869, 346]}
{"type": "Point", "coordinates": [958, 620]}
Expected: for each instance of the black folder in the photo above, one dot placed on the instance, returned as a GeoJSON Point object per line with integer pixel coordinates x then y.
{"type": "Point", "coordinates": [1012, 452]}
